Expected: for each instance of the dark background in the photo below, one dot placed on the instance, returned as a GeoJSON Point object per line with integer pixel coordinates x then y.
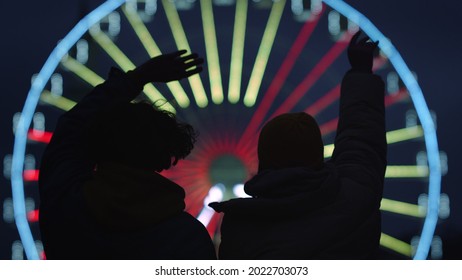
{"type": "Point", "coordinates": [427, 34]}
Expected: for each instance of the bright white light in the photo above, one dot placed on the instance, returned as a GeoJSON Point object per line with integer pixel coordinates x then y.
{"type": "Point", "coordinates": [39, 124]}
{"type": "Point", "coordinates": [82, 51]}
{"type": "Point", "coordinates": [444, 162]}
{"type": "Point", "coordinates": [421, 158]}
{"type": "Point", "coordinates": [183, 4]}
{"type": "Point", "coordinates": [16, 118]}
{"type": "Point", "coordinates": [8, 213]}
{"type": "Point", "coordinates": [17, 250]}
{"type": "Point", "coordinates": [334, 23]}
{"type": "Point", "coordinates": [297, 7]}
{"type": "Point", "coordinates": [316, 7]}
{"type": "Point", "coordinates": [238, 191]}
{"type": "Point", "coordinates": [56, 84]}
{"type": "Point", "coordinates": [30, 204]}
{"type": "Point", "coordinates": [146, 13]}
{"type": "Point", "coordinates": [392, 82]}
{"type": "Point", "coordinates": [7, 166]}
{"type": "Point", "coordinates": [422, 201]}
{"type": "Point", "coordinates": [411, 118]}
{"type": "Point", "coordinates": [437, 248]}
{"type": "Point", "coordinates": [114, 24]}
{"type": "Point", "coordinates": [29, 162]}
{"type": "Point", "coordinates": [215, 194]}
{"type": "Point", "coordinates": [150, 7]}
{"type": "Point", "coordinates": [445, 209]}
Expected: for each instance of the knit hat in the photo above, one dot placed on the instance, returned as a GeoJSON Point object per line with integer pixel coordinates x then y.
{"type": "Point", "coordinates": [290, 140]}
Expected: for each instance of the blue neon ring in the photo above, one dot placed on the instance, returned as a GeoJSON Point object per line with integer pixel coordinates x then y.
{"type": "Point", "coordinates": [17, 184]}
{"type": "Point", "coordinates": [96, 15]}
{"type": "Point", "coordinates": [431, 142]}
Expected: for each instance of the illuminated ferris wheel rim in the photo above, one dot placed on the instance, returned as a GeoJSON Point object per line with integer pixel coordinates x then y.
{"type": "Point", "coordinates": [109, 6]}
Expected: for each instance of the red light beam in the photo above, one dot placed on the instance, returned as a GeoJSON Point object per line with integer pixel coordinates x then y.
{"type": "Point", "coordinates": [313, 75]}
{"type": "Point", "coordinates": [279, 78]}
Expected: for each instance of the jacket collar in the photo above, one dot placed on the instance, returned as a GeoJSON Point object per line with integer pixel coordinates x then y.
{"type": "Point", "coordinates": [124, 198]}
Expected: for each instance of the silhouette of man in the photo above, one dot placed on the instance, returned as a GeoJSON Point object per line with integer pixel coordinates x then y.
{"type": "Point", "coordinates": [100, 197]}
{"type": "Point", "coordinates": [301, 207]}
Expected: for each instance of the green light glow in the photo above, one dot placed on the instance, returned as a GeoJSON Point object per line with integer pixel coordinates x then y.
{"type": "Point", "coordinates": [153, 50]}
{"type": "Point", "coordinates": [396, 245]}
{"type": "Point", "coordinates": [406, 171]}
{"type": "Point", "coordinates": [211, 48]}
{"type": "Point", "coordinates": [142, 31]}
{"type": "Point", "coordinates": [394, 136]}
{"type": "Point", "coordinates": [237, 52]}
{"type": "Point", "coordinates": [182, 43]}
{"type": "Point", "coordinates": [263, 53]}
{"type": "Point", "coordinates": [59, 102]}
{"type": "Point", "coordinates": [404, 134]}
{"type": "Point", "coordinates": [328, 150]}
{"type": "Point", "coordinates": [402, 208]}
{"type": "Point", "coordinates": [111, 49]}
{"type": "Point", "coordinates": [125, 63]}
{"type": "Point", "coordinates": [81, 71]}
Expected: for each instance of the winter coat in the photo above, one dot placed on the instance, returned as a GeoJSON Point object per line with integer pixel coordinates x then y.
{"type": "Point", "coordinates": [331, 213]}
{"type": "Point", "coordinates": [113, 211]}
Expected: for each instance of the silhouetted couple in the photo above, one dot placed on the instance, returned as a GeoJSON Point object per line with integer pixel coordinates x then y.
{"type": "Point", "coordinates": [102, 198]}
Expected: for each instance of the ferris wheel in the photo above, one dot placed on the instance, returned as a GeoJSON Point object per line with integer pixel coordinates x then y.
{"type": "Point", "coordinates": [263, 58]}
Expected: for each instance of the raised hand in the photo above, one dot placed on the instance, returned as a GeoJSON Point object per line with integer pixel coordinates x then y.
{"type": "Point", "coordinates": [360, 53]}
{"type": "Point", "coordinates": [167, 67]}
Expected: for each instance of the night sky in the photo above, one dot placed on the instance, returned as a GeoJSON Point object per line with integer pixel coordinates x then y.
{"type": "Point", "coordinates": [426, 33]}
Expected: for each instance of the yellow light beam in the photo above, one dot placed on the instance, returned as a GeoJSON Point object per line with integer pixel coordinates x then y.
{"type": "Point", "coordinates": [328, 150]}
{"type": "Point", "coordinates": [81, 71]}
{"type": "Point", "coordinates": [402, 208]}
{"type": "Point", "coordinates": [182, 43]}
{"type": "Point", "coordinates": [263, 53]}
{"type": "Point", "coordinates": [404, 134]}
{"type": "Point", "coordinates": [59, 102]}
{"type": "Point", "coordinates": [142, 32]}
{"type": "Point", "coordinates": [153, 50]}
{"type": "Point", "coordinates": [406, 171]}
{"type": "Point", "coordinates": [211, 49]}
{"type": "Point", "coordinates": [125, 63]}
{"type": "Point", "coordinates": [396, 245]}
{"type": "Point", "coordinates": [394, 136]}
{"type": "Point", "coordinates": [237, 52]}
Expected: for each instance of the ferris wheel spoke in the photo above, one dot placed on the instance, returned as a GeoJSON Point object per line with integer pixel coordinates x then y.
{"type": "Point", "coordinates": [153, 50]}
{"type": "Point", "coordinates": [406, 171]}
{"type": "Point", "coordinates": [395, 245]}
{"type": "Point", "coordinates": [280, 77]}
{"type": "Point", "coordinates": [393, 137]}
{"type": "Point", "coordinates": [333, 95]}
{"type": "Point", "coordinates": [211, 48]}
{"type": "Point", "coordinates": [402, 208]}
{"type": "Point", "coordinates": [59, 102]}
{"type": "Point", "coordinates": [181, 41]}
{"type": "Point", "coordinates": [237, 51]}
{"type": "Point", "coordinates": [141, 31]}
{"type": "Point", "coordinates": [106, 43]}
{"type": "Point", "coordinates": [263, 53]}
{"type": "Point", "coordinates": [405, 134]}
{"type": "Point", "coordinates": [390, 100]}
{"type": "Point", "coordinates": [82, 71]}
{"type": "Point", "coordinates": [313, 76]}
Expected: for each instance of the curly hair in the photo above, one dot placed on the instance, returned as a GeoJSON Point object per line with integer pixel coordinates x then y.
{"type": "Point", "coordinates": [140, 135]}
